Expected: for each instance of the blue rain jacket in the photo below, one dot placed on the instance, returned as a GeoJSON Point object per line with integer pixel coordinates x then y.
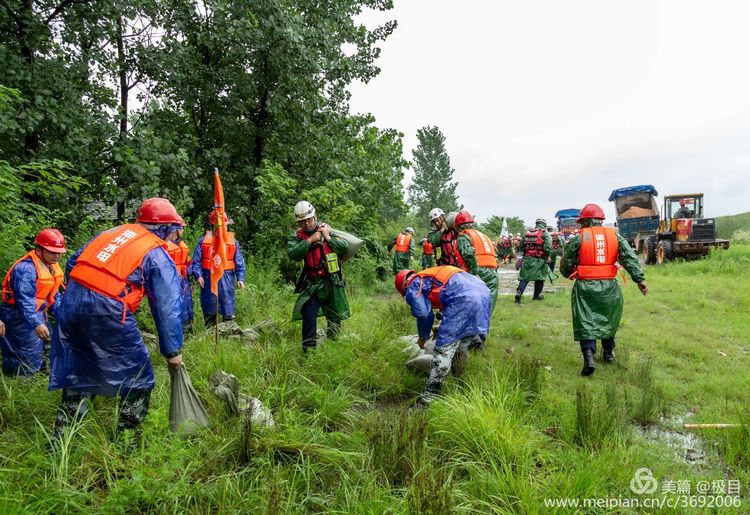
{"type": "Point", "coordinates": [20, 347]}
{"type": "Point", "coordinates": [226, 283]}
{"type": "Point", "coordinates": [95, 351]}
{"type": "Point", "coordinates": [187, 300]}
{"type": "Point", "coordinates": [465, 302]}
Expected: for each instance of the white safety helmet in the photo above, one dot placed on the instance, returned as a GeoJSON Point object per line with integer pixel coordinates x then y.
{"type": "Point", "coordinates": [410, 230]}
{"type": "Point", "coordinates": [303, 210]}
{"type": "Point", "coordinates": [435, 213]}
{"type": "Point", "coordinates": [450, 219]}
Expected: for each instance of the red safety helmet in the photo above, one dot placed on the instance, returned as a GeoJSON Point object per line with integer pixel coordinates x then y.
{"type": "Point", "coordinates": [591, 211]}
{"type": "Point", "coordinates": [158, 211]}
{"type": "Point", "coordinates": [401, 278]}
{"type": "Point", "coordinates": [463, 217]}
{"type": "Point", "coordinates": [51, 240]}
{"type": "Point", "coordinates": [212, 218]}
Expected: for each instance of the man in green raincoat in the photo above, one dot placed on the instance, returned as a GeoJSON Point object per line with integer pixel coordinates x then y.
{"type": "Point", "coordinates": [476, 254]}
{"type": "Point", "coordinates": [537, 246]}
{"type": "Point", "coordinates": [591, 258]}
{"type": "Point", "coordinates": [403, 250]}
{"type": "Point", "coordinates": [321, 284]}
{"type": "Point", "coordinates": [558, 243]}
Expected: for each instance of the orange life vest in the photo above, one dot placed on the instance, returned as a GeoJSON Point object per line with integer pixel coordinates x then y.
{"type": "Point", "coordinates": [506, 243]}
{"type": "Point", "coordinates": [533, 244]}
{"type": "Point", "coordinates": [180, 254]}
{"type": "Point", "coordinates": [427, 249]}
{"type": "Point", "coordinates": [598, 255]}
{"type": "Point", "coordinates": [441, 274]}
{"type": "Point", "coordinates": [106, 263]}
{"type": "Point", "coordinates": [402, 242]}
{"type": "Point", "coordinates": [207, 250]}
{"type": "Point", "coordinates": [48, 282]}
{"type": "Point", "coordinates": [484, 250]}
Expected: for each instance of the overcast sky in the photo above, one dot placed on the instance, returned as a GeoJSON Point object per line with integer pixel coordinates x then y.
{"type": "Point", "coordinates": [550, 104]}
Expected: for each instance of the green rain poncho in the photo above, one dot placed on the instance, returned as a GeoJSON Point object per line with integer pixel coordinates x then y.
{"type": "Point", "coordinates": [468, 254]}
{"type": "Point", "coordinates": [536, 269]}
{"type": "Point", "coordinates": [328, 289]}
{"type": "Point", "coordinates": [597, 304]}
{"type": "Point", "coordinates": [402, 260]}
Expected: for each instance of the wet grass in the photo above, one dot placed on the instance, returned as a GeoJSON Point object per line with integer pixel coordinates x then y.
{"type": "Point", "coordinates": [519, 426]}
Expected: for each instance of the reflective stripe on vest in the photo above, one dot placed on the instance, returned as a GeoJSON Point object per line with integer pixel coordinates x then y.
{"type": "Point", "coordinates": [442, 275]}
{"type": "Point", "coordinates": [47, 282]}
{"type": "Point", "coordinates": [598, 254]}
{"type": "Point", "coordinates": [484, 249]}
{"type": "Point", "coordinates": [106, 263]}
{"type": "Point", "coordinates": [320, 259]}
{"type": "Point", "coordinates": [180, 254]}
{"type": "Point", "coordinates": [427, 248]}
{"type": "Point", "coordinates": [207, 250]}
{"type": "Point", "coordinates": [402, 242]}
{"type": "Point", "coordinates": [448, 248]}
{"type": "Point", "coordinates": [533, 244]}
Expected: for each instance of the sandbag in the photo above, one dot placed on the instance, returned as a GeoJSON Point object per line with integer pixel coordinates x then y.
{"type": "Point", "coordinates": [421, 364]}
{"type": "Point", "coordinates": [227, 388]}
{"type": "Point", "coordinates": [412, 350]}
{"type": "Point", "coordinates": [354, 243]}
{"type": "Point", "coordinates": [186, 411]}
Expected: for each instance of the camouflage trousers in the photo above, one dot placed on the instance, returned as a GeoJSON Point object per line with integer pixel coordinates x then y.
{"type": "Point", "coordinates": [451, 357]}
{"type": "Point", "coordinates": [133, 407]}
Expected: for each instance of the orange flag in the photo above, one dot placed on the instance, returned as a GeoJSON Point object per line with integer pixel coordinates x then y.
{"type": "Point", "coordinates": [219, 250]}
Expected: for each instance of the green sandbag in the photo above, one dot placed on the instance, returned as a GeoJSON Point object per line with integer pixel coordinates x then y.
{"type": "Point", "coordinates": [186, 411]}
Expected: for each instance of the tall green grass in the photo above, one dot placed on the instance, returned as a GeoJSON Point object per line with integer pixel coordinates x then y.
{"type": "Point", "coordinates": [519, 426]}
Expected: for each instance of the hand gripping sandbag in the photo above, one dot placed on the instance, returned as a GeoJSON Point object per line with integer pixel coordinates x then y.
{"type": "Point", "coordinates": [186, 411]}
{"type": "Point", "coordinates": [354, 243]}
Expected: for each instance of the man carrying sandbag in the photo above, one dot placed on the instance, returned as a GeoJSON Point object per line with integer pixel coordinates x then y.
{"type": "Point", "coordinates": [464, 301]}
{"type": "Point", "coordinates": [321, 283]}
{"type": "Point", "coordinates": [96, 346]}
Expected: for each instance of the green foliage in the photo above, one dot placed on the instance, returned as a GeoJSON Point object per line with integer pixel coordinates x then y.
{"type": "Point", "coordinates": [432, 186]}
{"type": "Point", "coordinates": [727, 226]}
{"type": "Point", "coordinates": [494, 225]}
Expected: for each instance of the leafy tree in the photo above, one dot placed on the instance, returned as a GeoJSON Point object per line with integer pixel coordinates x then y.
{"type": "Point", "coordinates": [494, 225]}
{"type": "Point", "coordinates": [432, 186]}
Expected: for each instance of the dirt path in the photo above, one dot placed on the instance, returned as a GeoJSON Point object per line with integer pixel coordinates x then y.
{"type": "Point", "coordinates": [509, 282]}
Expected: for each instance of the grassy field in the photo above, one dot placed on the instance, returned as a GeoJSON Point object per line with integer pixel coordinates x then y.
{"type": "Point", "coordinates": [519, 427]}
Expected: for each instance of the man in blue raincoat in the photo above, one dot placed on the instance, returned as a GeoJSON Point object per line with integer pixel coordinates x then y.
{"type": "Point", "coordinates": [464, 302]}
{"type": "Point", "coordinates": [180, 254]}
{"type": "Point", "coordinates": [96, 346]}
{"type": "Point", "coordinates": [31, 289]}
{"type": "Point", "coordinates": [201, 270]}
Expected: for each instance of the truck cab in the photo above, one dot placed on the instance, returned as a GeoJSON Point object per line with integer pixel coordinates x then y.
{"type": "Point", "coordinates": [567, 223]}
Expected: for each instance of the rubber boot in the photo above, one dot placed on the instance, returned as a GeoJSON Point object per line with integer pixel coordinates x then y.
{"type": "Point", "coordinates": [518, 297]}
{"type": "Point", "coordinates": [588, 363]}
{"type": "Point", "coordinates": [608, 355]}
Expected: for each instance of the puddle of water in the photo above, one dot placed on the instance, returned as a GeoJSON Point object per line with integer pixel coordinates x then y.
{"type": "Point", "coordinates": [687, 445]}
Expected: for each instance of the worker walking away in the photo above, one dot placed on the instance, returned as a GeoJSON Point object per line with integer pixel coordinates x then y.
{"type": "Point", "coordinates": [321, 284]}
{"type": "Point", "coordinates": [537, 246]}
{"type": "Point", "coordinates": [591, 258]}
{"type": "Point", "coordinates": [233, 273]}
{"type": "Point", "coordinates": [31, 290]}
{"type": "Point", "coordinates": [97, 348]}
{"type": "Point", "coordinates": [558, 243]}
{"type": "Point", "coordinates": [403, 249]}
{"type": "Point", "coordinates": [464, 302]}
{"type": "Point", "coordinates": [428, 254]}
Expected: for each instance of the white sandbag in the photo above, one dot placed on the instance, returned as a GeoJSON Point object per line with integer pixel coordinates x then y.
{"type": "Point", "coordinates": [227, 387]}
{"type": "Point", "coordinates": [410, 338]}
{"type": "Point", "coordinates": [354, 243]}
{"type": "Point", "coordinates": [421, 364]}
{"type": "Point", "coordinates": [186, 411]}
{"type": "Point", "coordinates": [429, 346]}
{"type": "Point", "coordinates": [412, 350]}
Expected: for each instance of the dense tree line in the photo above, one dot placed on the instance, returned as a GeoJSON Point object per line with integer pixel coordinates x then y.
{"type": "Point", "coordinates": [107, 102]}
